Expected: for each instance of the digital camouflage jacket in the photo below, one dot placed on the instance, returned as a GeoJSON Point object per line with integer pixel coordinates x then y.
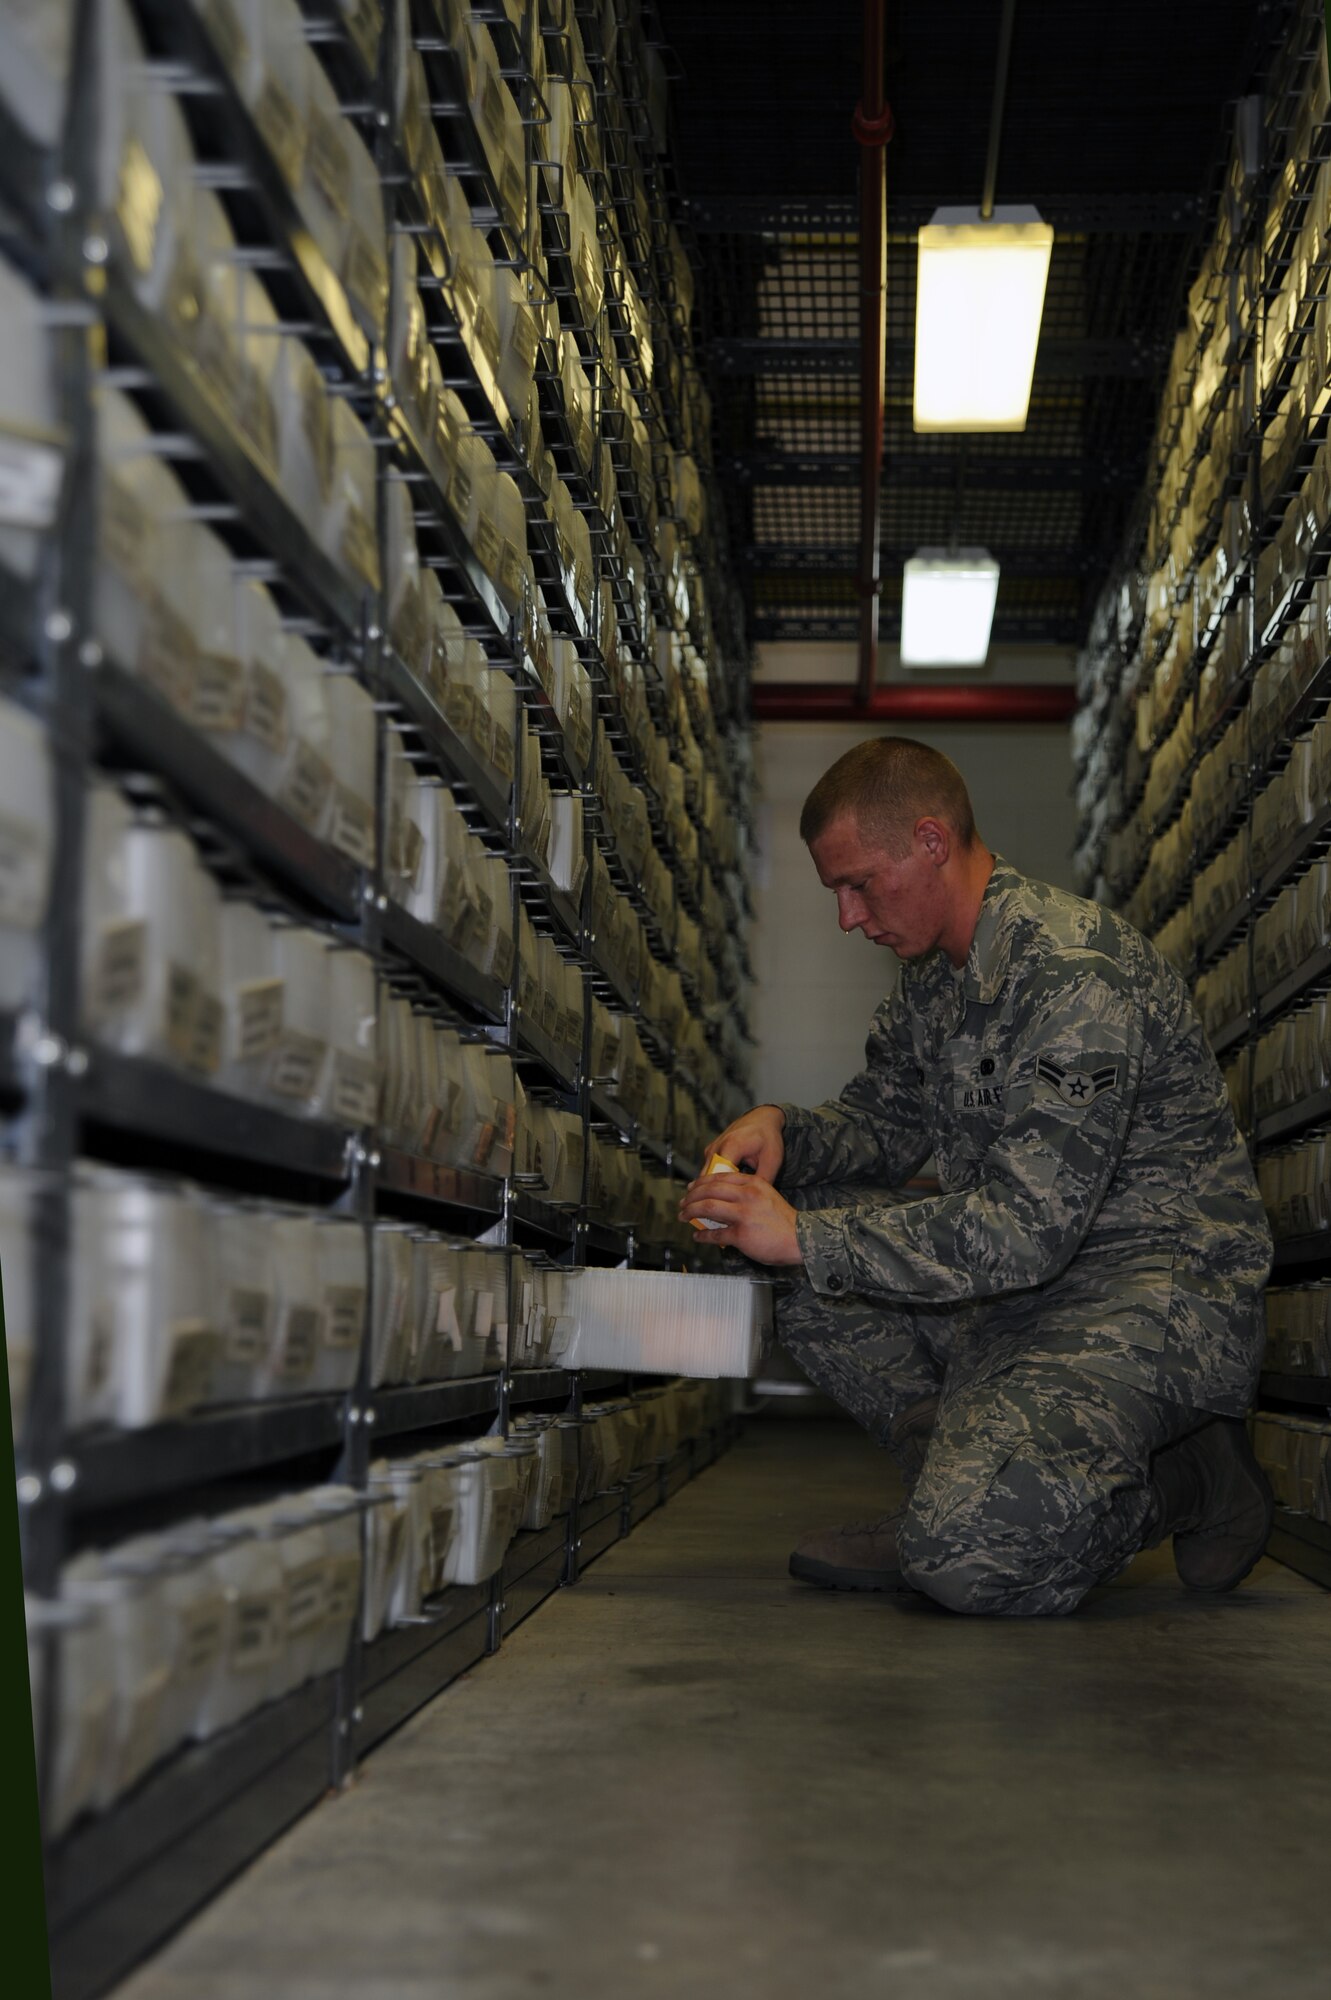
{"type": "Point", "coordinates": [1095, 1195]}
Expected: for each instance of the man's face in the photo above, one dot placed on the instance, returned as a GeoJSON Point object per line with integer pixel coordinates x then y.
{"type": "Point", "coordinates": [898, 902]}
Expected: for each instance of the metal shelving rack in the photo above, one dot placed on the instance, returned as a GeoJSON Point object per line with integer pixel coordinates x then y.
{"type": "Point", "coordinates": [1277, 194]}
{"type": "Point", "coordinates": [119, 1882]}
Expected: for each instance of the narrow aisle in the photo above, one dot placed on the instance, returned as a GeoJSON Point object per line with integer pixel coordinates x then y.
{"type": "Point", "coordinates": [727, 1784]}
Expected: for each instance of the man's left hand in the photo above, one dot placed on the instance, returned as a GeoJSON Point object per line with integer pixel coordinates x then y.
{"type": "Point", "coordinates": [757, 1220]}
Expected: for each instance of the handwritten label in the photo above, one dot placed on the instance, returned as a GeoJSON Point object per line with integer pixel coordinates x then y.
{"type": "Point", "coordinates": [219, 693]}
{"type": "Point", "coordinates": [352, 829]}
{"type": "Point", "coordinates": [488, 548]}
{"type": "Point", "coordinates": [344, 1315]}
{"type": "Point", "coordinates": [259, 1007]}
{"type": "Point", "coordinates": [247, 1325]}
{"type": "Point", "coordinates": [354, 1091]}
{"type": "Point", "coordinates": [201, 1630]}
{"type": "Point", "coordinates": [206, 1044]}
{"type": "Point", "coordinates": [307, 785]}
{"type": "Point", "coordinates": [182, 997]}
{"type": "Point", "coordinates": [360, 551]}
{"type": "Point", "coordinates": [169, 656]}
{"type": "Point", "coordinates": [256, 1634]}
{"type": "Point", "coordinates": [306, 1597]}
{"type": "Point", "coordinates": [193, 1344]}
{"type": "Point", "coordinates": [296, 1065]}
{"type": "Point", "coordinates": [300, 1339]}
{"type": "Point", "coordinates": [265, 714]}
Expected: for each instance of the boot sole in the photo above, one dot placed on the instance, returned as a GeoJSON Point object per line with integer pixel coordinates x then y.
{"type": "Point", "coordinates": [828, 1576]}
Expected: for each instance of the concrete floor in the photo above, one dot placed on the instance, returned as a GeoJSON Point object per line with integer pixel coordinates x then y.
{"type": "Point", "coordinates": [693, 1777]}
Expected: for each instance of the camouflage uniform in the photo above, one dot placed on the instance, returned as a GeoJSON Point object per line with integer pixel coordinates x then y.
{"type": "Point", "coordinates": [1087, 1282]}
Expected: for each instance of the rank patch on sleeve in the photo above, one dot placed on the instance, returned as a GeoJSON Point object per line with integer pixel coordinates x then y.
{"type": "Point", "coordinates": [1078, 1086]}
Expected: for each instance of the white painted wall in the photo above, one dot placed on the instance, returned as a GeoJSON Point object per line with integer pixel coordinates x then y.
{"type": "Point", "coordinates": [836, 664]}
{"type": "Point", "coordinates": [815, 989]}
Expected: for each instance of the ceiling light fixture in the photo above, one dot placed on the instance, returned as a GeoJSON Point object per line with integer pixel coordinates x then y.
{"type": "Point", "coordinates": [980, 289]}
{"type": "Point", "coordinates": [947, 608]}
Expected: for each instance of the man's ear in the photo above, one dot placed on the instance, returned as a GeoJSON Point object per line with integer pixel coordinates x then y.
{"type": "Point", "coordinates": [934, 839]}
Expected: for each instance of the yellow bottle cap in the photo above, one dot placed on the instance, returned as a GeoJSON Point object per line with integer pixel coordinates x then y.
{"type": "Point", "coordinates": [718, 1164]}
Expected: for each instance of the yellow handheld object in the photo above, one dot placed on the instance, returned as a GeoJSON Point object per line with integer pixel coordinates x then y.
{"type": "Point", "coordinates": [718, 1164]}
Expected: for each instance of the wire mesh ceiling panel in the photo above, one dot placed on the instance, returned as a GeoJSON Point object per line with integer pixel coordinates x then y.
{"type": "Point", "coordinates": [1117, 125]}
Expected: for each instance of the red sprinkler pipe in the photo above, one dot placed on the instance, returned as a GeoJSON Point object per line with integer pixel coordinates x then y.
{"type": "Point", "coordinates": [872, 126]}
{"type": "Point", "coordinates": [815, 701]}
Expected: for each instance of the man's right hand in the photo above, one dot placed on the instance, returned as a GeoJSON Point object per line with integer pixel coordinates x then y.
{"type": "Point", "coordinates": [754, 1141]}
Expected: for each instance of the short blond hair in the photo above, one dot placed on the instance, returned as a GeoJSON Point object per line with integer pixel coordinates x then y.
{"type": "Point", "coordinates": [886, 785]}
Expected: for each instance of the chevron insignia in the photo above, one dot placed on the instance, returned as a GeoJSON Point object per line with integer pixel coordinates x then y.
{"type": "Point", "coordinates": [1078, 1087]}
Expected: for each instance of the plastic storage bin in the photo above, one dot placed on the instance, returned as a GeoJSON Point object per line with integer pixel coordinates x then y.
{"type": "Point", "coordinates": [142, 1340]}
{"type": "Point", "coordinates": [27, 835]}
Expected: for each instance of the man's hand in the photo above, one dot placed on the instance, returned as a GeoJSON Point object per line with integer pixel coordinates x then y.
{"type": "Point", "coordinates": [755, 1218]}
{"type": "Point", "coordinates": [754, 1141]}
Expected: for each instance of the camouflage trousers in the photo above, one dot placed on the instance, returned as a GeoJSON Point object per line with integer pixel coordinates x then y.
{"type": "Point", "coordinates": [1033, 1485]}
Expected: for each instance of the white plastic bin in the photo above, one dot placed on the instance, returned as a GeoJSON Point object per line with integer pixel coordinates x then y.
{"type": "Point", "coordinates": [294, 1075]}
{"type": "Point", "coordinates": [142, 1341]}
{"type": "Point", "coordinates": [343, 1292]}
{"type": "Point", "coordinates": [353, 1083]}
{"type": "Point", "coordinates": [492, 1488]}
{"type": "Point", "coordinates": [27, 836]}
{"type": "Point", "coordinates": [298, 1306]}
{"type": "Point", "coordinates": [246, 1299]}
{"type": "Point", "coordinates": [136, 1633]}
{"type": "Point", "coordinates": [392, 1561]}
{"type": "Point", "coordinates": [83, 1692]}
{"type": "Point", "coordinates": [393, 1348]}
{"type": "Point", "coordinates": [351, 752]}
{"type": "Point", "coordinates": [151, 916]}
{"type": "Point", "coordinates": [250, 1572]}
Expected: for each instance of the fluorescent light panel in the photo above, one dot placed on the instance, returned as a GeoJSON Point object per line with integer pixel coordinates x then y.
{"type": "Point", "coordinates": [979, 299]}
{"type": "Point", "coordinates": [947, 608]}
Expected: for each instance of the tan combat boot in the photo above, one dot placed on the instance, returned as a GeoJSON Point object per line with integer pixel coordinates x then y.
{"type": "Point", "coordinates": [1212, 1496]}
{"type": "Point", "coordinates": [863, 1555]}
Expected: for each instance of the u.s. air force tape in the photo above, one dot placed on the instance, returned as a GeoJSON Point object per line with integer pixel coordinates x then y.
{"type": "Point", "coordinates": [1078, 1086]}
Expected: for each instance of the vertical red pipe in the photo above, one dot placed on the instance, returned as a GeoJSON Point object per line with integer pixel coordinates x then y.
{"type": "Point", "coordinates": [872, 126]}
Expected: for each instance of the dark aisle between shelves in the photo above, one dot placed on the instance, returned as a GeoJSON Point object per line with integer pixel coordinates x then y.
{"type": "Point", "coordinates": [694, 1776]}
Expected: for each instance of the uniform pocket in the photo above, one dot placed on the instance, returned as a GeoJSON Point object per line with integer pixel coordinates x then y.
{"type": "Point", "coordinates": [1139, 1303]}
{"type": "Point", "coordinates": [979, 1093]}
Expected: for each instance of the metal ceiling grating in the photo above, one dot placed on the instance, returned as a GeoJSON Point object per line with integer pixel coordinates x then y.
{"type": "Point", "coordinates": [1118, 126]}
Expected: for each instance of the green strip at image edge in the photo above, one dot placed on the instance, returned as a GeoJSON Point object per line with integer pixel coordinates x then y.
{"type": "Point", "coordinates": [26, 1947]}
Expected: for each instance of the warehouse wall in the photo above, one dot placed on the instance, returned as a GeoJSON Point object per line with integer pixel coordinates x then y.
{"type": "Point", "coordinates": [815, 989]}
